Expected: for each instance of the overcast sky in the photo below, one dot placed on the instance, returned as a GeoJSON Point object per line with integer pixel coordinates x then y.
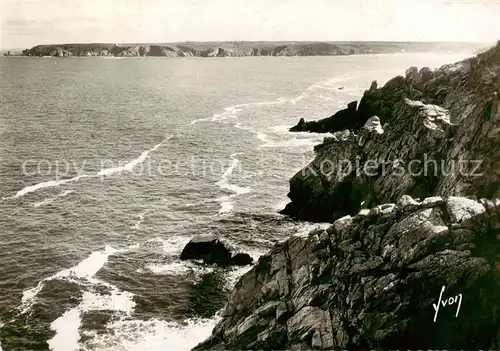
{"type": "Point", "coordinates": [26, 23]}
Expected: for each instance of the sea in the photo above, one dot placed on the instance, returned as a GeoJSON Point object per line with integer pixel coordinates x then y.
{"type": "Point", "coordinates": [108, 167]}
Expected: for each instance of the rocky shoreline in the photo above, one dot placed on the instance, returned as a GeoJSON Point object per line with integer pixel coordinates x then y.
{"type": "Point", "coordinates": [412, 260]}
{"type": "Point", "coordinates": [239, 49]}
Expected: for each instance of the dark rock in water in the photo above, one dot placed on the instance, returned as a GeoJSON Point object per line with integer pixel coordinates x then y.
{"type": "Point", "coordinates": [300, 127]}
{"type": "Point", "coordinates": [241, 259]}
{"type": "Point", "coordinates": [343, 119]}
{"type": "Point", "coordinates": [208, 248]}
{"type": "Point", "coordinates": [370, 282]}
{"type": "Point", "coordinates": [211, 250]}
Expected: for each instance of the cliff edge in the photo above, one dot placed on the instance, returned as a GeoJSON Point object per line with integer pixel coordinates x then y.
{"type": "Point", "coordinates": [393, 271]}
{"type": "Point", "coordinates": [370, 281]}
{"type": "Point", "coordinates": [428, 133]}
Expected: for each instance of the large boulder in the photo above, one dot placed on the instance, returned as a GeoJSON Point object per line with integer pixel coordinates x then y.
{"type": "Point", "coordinates": [213, 250]}
{"type": "Point", "coordinates": [371, 281]}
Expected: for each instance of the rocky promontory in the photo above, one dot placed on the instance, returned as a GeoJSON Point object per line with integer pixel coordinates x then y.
{"type": "Point", "coordinates": [423, 134]}
{"type": "Point", "coordinates": [240, 48]}
{"type": "Point", "coordinates": [370, 281]}
{"type": "Point", "coordinates": [412, 258]}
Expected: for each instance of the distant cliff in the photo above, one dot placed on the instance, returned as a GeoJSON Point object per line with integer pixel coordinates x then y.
{"type": "Point", "coordinates": [241, 48]}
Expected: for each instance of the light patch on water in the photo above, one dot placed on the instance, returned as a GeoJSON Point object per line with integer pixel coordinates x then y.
{"type": "Point", "coordinates": [226, 201]}
{"type": "Point", "coordinates": [66, 327]}
{"type": "Point", "coordinates": [140, 220]}
{"type": "Point", "coordinates": [172, 246]}
{"type": "Point", "coordinates": [43, 185]}
{"type": "Point", "coordinates": [281, 205]}
{"type": "Point", "coordinates": [152, 335]}
{"type": "Point", "coordinates": [233, 111]}
{"type": "Point", "coordinates": [104, 172]}
{"type": "Point", "coordinates": [85, 269]}
{"type": "Point", "coordinates": [179, 268]}
{"type": "Point", "coordinates": [130, 166]}
{"type": "Point", "coordinates": [52, 199]}
{"type": "Point", "coordinates": [115, 301]}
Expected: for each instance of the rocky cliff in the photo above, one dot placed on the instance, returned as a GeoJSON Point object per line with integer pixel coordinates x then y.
{"type": "Point", "coordinates": [370, 281]}
{"type": "Point", "coordinates": [412, 259]}
{"type": "Point", "coordinates": [428, 133]}
{"type": "Point", "coordinates": [241, 48]}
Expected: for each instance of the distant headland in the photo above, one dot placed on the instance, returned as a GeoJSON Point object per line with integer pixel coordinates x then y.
{"type": "Point", "coordinates": [243, 48]}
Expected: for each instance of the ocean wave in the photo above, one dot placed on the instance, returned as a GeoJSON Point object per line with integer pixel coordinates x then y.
{"type": "Point", "coordinates": [232, 111]}
{"type": "Point", "coordinates": [85, 269]}
{"type": "Point", "coordinates": [67, 326]}
{"type": "Point", "coordinates": [42, 185]}
{"type": "Point", "coordinates": [52, 199]}
{"type": "Point", "coordinates": [140, 220]}
{"type": "Point", "coordinates": [153, 334]}
{"type": "Point", "coordinates": [226, 201]}
{"type": "Point", "coordinates": [130, 166]}
{"type": "Point", "coordinates": [104, 172]}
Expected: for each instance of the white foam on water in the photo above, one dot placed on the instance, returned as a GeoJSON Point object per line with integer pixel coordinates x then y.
{"type": "Point", "coordinates": [52, 199]}
{"type": "Point", "coordinates": [281, 205]}
{"type": "Point", "coordinates": [141, 219]}
{"type": "Point", "coordinates": [104, 172]}
{"type": "Point", "coordinates": [226, 201]}
{"type": "Point", "coordinates": [172, 246]}
{"type": "Point", "coordinates": [85, 269]}
{"type": "Point", "coordinates": [152, 335]}
{"type": "Point", "coordinates": [179, 268]}
{"type": "Point", "coordinates": [280, 129]}
{"type": "Point", "coordinates": [42, 185]}
{"type": "Point", "coordinates": [300, 97]}
{"type": "Point", "coordinates": [226, 204]}
{"type": "Point", "coordinates": [229, 112]}
{"type": "Point", "coordinates": [66, 327]}
{"type": "Point", "coordinates": [115, 301]}
{"type": "Point", "coordinates": [233, 111]}
{"type": "Point", "coordinates": [130, 165]}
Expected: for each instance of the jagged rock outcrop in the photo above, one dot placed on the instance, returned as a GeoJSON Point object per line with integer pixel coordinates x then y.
{"type": "Point", "coordinates": [343, 119]}
{"type": "Point", "coordinates": [441, 136]}
{"type": "Point", "coordinates": [370, 281]}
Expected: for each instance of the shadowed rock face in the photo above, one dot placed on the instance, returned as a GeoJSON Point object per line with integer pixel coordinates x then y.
{"type": "Point", "coordinates": [441, 133]}
{"type": "Point", "coordinates": [344, 119]}
{"type": "Point", "coordinates": [370, 281]}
